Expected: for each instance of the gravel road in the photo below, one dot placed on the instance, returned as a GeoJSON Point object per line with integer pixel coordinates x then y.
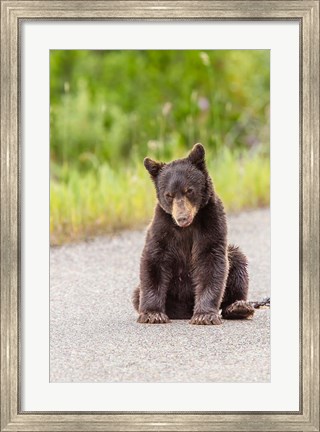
{"type": "Point", "coordinates": [94, 336]}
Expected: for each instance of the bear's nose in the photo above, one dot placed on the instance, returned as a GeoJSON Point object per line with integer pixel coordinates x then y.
{"type": "Point", "coordinates": [183, 221]}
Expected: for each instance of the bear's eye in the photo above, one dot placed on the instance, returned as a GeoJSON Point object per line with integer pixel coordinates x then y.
{"type": "Point", "coordinates": [169, 195]}
{"type": "Point", "coordinates": [189, 191]}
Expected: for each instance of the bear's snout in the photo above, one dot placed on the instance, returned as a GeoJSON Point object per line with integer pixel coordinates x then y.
{"type": "Point", "coordinates": [184, 221]}
{"type": "Point", "coordinates": [183, 212]}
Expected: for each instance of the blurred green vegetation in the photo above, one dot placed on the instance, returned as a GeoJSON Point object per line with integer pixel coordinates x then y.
{"type": "Point", "coordinates": [110, 109]}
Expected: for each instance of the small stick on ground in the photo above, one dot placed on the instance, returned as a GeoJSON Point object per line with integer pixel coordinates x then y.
{"type": "Point", "coordinates": [264, 304]}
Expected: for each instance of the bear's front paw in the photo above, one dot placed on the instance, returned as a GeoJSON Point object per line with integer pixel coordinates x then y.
{"type": "Point", "coordinates": [206, 319]}
{"type": "Point", "coordinates": [153, 318]}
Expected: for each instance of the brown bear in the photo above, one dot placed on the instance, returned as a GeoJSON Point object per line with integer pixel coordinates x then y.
{"type": "Point", "coordinates": [188, 270]}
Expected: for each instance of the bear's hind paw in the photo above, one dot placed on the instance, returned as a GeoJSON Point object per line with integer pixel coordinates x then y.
{"type": "Point", "coordinates": [153, 318]}
{"type": "Point", "coordinates": [240, 309]}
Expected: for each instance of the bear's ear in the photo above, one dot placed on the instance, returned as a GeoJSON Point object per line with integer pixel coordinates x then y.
{"type": "Point", "coordinates": [153, 167]}
{"type": "Point", "coordinates": [197, 155]}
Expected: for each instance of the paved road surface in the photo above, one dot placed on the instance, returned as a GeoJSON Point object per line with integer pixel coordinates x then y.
{"type": "Point", "coordinates": [94, 336]}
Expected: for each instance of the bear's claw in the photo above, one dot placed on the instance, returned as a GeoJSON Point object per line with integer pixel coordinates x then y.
{"type": "Point", "coordinates": [153, 318]}
{"type": "Point", "coordinates": [206, 319]}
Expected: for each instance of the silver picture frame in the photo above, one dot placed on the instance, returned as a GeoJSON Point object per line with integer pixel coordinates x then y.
{"type": "Point", "coordinates": [12, 14]}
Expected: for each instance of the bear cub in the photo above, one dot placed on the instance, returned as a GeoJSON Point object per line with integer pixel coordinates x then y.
{"type": "Point", "coordinates": [188, 270]}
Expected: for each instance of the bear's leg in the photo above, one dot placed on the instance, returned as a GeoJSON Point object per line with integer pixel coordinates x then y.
{"type": "Point", "coordinates": [150, 297]}
{"type": "Point", "coordinates": [209, 278]}
{"type": "Point", "coordinates": [234, 304]}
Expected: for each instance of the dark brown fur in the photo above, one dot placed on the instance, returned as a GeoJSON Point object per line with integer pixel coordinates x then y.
{"type": "Point", "coordinates": [187, 270]}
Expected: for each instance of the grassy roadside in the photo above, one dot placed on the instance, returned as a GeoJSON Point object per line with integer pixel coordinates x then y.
{"type": "Point", "coordinates": [106, 199]}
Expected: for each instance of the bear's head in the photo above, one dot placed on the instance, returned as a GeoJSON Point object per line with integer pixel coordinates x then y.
{"type": "Point", "coordinates": [183, 186]}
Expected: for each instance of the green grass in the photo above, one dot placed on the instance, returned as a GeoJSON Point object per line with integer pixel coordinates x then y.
{"type": "Point", "coordinates": [112, 105]}
{"type": "Point", "coordinates": [105, 199]}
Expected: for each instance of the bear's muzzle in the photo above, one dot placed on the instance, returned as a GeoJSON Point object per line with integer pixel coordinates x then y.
{"type": "Point", "coordinates": [183, 212]}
